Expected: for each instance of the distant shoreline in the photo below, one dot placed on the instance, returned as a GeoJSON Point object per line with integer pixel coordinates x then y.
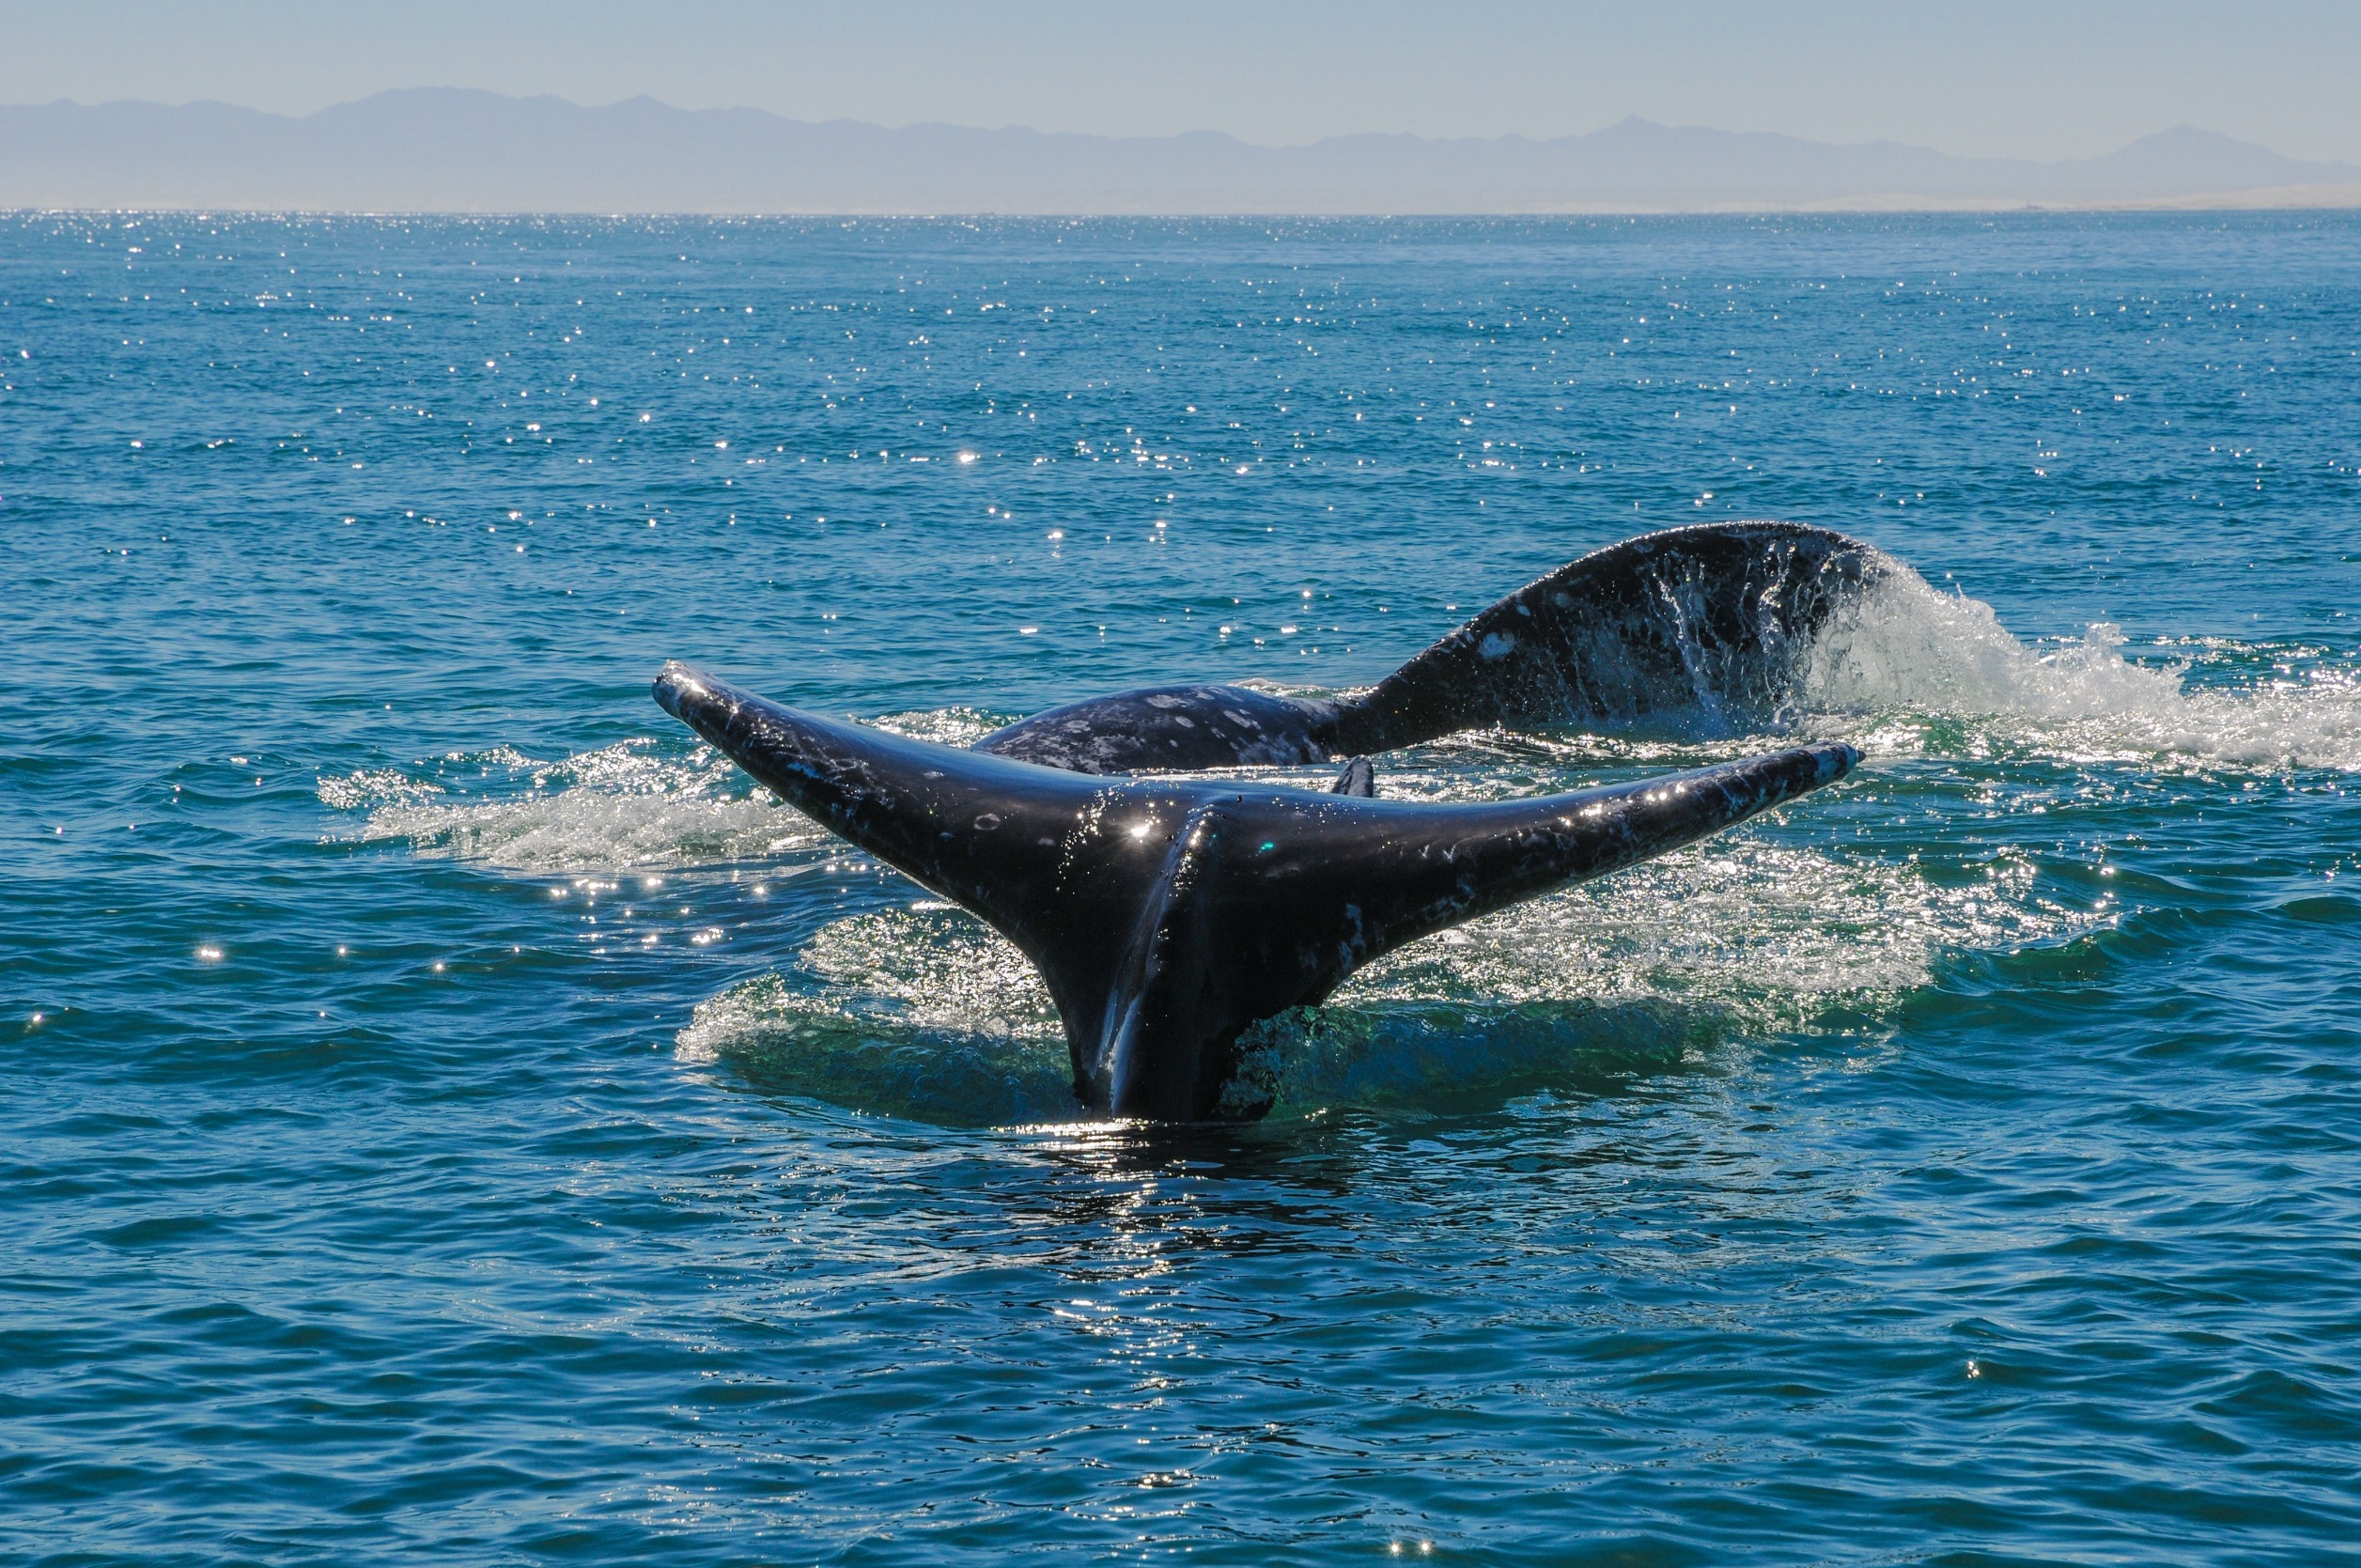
{"type": "Point", "coordinates": [448, 150]}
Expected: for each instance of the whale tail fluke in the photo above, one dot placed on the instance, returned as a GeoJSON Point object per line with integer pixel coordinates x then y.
{"type": "Point", "coordinates": [1165, 914]}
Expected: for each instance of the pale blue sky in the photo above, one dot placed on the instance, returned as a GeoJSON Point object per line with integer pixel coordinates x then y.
{"type": "Point", "coordinates": [2051, 80]}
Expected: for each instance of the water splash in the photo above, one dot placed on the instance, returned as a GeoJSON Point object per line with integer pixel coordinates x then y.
{"type": "Point", "coordinates": [1905, 656]}
{"type": "Point", "coordinates": [620, 807]}
{"type": "Point", "coordinates": [927, 1014]}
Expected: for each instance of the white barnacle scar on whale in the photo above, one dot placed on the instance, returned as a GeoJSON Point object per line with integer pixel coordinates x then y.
{"type": "Point", "coordinates": [1166, 914]}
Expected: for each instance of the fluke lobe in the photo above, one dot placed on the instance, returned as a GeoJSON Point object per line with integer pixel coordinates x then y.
{"type": "Point", "coordinates": [1168, 914]}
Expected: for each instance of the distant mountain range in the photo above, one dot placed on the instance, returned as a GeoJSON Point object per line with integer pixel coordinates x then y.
{"type": "Point", "coordinates": [449, 150]}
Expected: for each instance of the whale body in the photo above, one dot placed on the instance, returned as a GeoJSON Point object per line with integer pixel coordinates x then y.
{"type": "Point", "coordinates": [1169, 914]}
{"type": "Point", "coordinates": [1698, 630]}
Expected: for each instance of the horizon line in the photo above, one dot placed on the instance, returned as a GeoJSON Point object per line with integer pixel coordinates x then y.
{"type": "Point", "coordinates": [2258, 200]}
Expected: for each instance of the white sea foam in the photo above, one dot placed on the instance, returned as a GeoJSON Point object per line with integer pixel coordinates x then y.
{"type": "Point", "coordinates": [924, 1011]}
{"type": "Point", "coordinates": [1764, 927]}
{"type": "Point", "coordinates": [933, 968]}
{"type": "Point", "coordinates": [1906, 653]}
{"type": "Point", "coordinates": [376, 788]}
{"type": "Point", "coordinates": [619, 807]}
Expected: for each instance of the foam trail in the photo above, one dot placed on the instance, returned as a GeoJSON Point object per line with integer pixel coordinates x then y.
{"type": "Point", "coordinates": [620, 807]}
{"type": "Point", "coordinates": [624, 807]}
{"type": "Point", "coordinates": [1902, 651]}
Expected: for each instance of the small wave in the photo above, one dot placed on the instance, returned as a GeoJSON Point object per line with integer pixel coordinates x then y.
{"type": "Point", "coordinates": [1902, 653]}
{"type": "Point", "coordinates": [619, 807]}
{"type": "Point", "coordinates": [924, 1013]}
{"type": "Point", "coordinates": [944, 726]}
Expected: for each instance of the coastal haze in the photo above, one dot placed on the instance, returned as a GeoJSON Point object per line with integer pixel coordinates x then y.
{"type": "Point", "coordinates": [467, 150]}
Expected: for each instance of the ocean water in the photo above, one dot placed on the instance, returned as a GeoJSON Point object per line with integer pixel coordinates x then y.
{"type": "Point", "coordinates": [450, 1117]}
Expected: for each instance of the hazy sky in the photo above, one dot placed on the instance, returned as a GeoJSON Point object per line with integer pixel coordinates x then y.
{"type": "Point", "coordinates": [2045, 79]}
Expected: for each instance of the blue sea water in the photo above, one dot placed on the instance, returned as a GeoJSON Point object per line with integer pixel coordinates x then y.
{"type": "Point", "coordinates": [450, 1117]}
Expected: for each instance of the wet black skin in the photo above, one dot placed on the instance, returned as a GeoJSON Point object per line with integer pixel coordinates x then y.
{"type": "Point", "coordinates": [1696, 631]}
{"type": "Point", "coordinates": [1168, 914]}
{"type": "Point", "coordinates": [1174, 729]}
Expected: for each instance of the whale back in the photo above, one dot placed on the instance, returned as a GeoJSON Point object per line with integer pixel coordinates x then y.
{"type": "Point", "coordinates": [1175, 728]}
{"type": "Point", "coordinates": [1700, 629]}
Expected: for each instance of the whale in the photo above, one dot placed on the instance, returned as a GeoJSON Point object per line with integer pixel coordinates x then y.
{"type": "Point", "coordinates": [1168, 913]}
{"type": "Point", "coordinates": [1698, 630]}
